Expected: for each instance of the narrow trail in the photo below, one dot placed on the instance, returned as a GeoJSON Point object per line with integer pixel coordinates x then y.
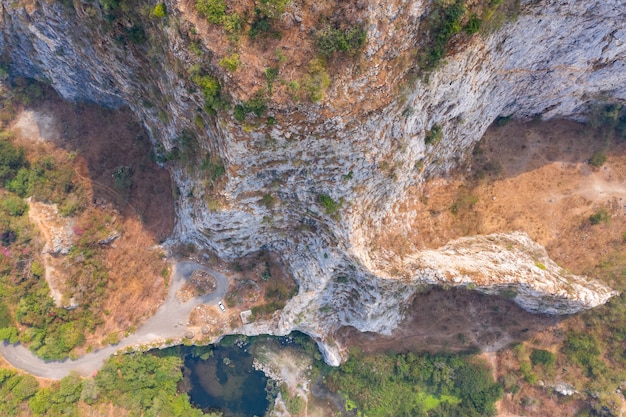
{"type": "Point", "coordinates": [169, 322]}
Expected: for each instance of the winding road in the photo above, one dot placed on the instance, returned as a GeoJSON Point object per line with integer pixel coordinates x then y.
{"type": "Point", "coordinates": [169, 322]}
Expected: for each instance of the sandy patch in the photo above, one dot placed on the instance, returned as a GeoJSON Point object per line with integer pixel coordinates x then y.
{"type": "Point", "coordinates": [36, 126]}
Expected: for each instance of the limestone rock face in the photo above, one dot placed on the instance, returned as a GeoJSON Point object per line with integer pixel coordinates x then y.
{"type": "Point", "coordinates": [362, 146]}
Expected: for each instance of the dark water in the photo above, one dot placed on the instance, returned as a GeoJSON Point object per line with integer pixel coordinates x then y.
{"type": "Point", "coordinates": [221, 378]}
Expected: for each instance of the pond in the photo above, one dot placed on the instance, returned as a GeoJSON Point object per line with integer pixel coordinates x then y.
{"type": "Point", "coordinates": [222, 378]}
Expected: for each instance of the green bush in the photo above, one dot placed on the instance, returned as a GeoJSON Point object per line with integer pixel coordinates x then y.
{"type": "Point", "coordinates": [11, 160]}
{"type": "Point", "coordinates": [230, 62]}
{"type": "Point", "coordinates": [330, 206]}
{"type": "Point", "coordinates": [136, 34]}
{"type": "Point", "coordinates": [159, 10]}
{"type": "Point", "coordinates": [503, 120]}
{"type": "Point", "coordinates": [444, 22]}
{"type": "Point", "coordinates": [256, 105]}
{"type": "Point", "coordinates": [5, 316]}
{"type": "Point", "coordinates": [213, 167]}
{"type": "Point", "coordinates": [416, 385]}
{"type": "Point", "coordinates": [583, 350]}
{"type": "Point", "coordinates": [9, 334]}
{"type": "Point", "coordinates": [434, 135]}
{"type": "Point", "coordinates": [232, 26]}
{"type": "Point", "coordinates": [473, 24]}
{"type": "Point", "coordinates": [295, 405]}
{"type": "Point", "coordinates": [272, 8]}
{"type": "Point", "coordinates": [213, 10]}
{"type": "Point", "coordinates": [122, 177]}
{"type": "Point", "coordinates": [600, 216]}
{"type": "Point", "coordinates": [146, 385]}
{"type": "Point", "coordinates": [350, 41]}
{"type": "Point", "coordinates": [211, 90]}
{"type": "Point", "coordinates": [316, 80]}
{"type": "Point", "coordinates": [597, 159]}
{"type": "Point", "coordinates": [13, 206]}
{"type": "Point", "coordinates": [542, 357]}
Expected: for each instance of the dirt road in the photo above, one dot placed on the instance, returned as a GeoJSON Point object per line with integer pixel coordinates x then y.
{"type": "Point", "coordinates": [169, 322]}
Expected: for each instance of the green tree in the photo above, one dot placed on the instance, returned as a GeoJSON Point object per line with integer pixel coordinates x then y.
{"type": "Point", "coordinates": [12, 159]}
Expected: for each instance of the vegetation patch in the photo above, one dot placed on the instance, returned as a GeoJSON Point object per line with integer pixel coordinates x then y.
{"type": "Point", "coordinates": [211, 89]}
{"type": "Point", "coordinates": [434, 135]}
{"type": "Point", "coordinates": [331, 207]}
{"type": "Point", "coordinates": [316, 80]}
{"type": "Point", "coordinates": [597, 159]}
{"type": "Point", "coordinates": [256, 105]}
{"type": "Point", "coordinates": [600, 216]}
{"type": "Point", "coordinates": [449, 18]}
{"type": "Point", "coordinates": [416, 385]}
{"type": "Point", "coordinates": [609, 118]}
{"type": "Point", "coordinates": [332, 40]}
{"type": "Point", "coordinates": [230, 62]}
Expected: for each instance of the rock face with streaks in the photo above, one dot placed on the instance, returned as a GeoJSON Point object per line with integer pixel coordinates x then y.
{"type": "Point", "coordinates": [362, 146]}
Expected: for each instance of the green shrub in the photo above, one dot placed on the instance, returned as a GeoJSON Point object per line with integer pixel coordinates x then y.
{"type": "Point", "coordinates": [231, 62]}
{"type": "Point", "coordinates": [268, 200]}
{"type": "Point", "coordinates": [330, 206]}
{"type": "Point", "coordinates": [583, 350]}
{"type": "Point", "coordinates": [271, 74]}
{"type": "Point", "coordinates": [272, 8]}
{"type": "Point", "coordinates": [444, 22]}
{"type": "Point", "coordinates": [256, 105]}
{"type": "Point", "coordinates": [5, 316]}
{"type": "Point", "coordinates": [600, 216]}
{"type": "Point", "coordinates": [12, 159]}
{"type": "Point", "coordinates": [213, 10]}
{"type": "Point", "coordinates": [597, 159]}
{"type": "Point", "coordinates": [464, 202]}
{"type": "Point", "coordinates": [211, 90]}
{"type": "Point", "coordinates": [110, 4]}
{"type": "Point", "coordinates": [350, 41]}
{"type": "Point", "coordinates": [122, 177]}
{"type": "Point", "coordinates": [213, 167]}
{"type": "Point", "coordinates": [9, 334]}
{"type": "Point", "coordinates": [13, 206]}
{"type": "Point", "coordinates": [542, 357]}
{"type": "Point", "coordinates": [434, 135]}
{"type": "Point", "coordinates": [232, 26]}
{"type": "Point", "coordinates": [265, 13]}
{"type": "Point", "coordinates": [415, 385]}
{"type": "Point", "coordinates": [316, 80]}
{"type": "Point", "coordinates": [159, 10]}
{"type": "Point", "coordinates": [503, 120]}
{"type": "Point", "coordinates": [136, 34]}
{"type": "Point", "coordinates": [295, 405]}
{"type": "Point", "coordinates": [473, 24]}
{"type": "Point", "coordinates": [41, 401]}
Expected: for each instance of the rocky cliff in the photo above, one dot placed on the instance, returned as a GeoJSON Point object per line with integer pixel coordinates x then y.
{"type": "Point", "coordinates": [316, 184]}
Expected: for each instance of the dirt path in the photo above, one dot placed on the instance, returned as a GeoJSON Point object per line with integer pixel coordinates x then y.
{"type": "Point", "coordinates": [169, 322]}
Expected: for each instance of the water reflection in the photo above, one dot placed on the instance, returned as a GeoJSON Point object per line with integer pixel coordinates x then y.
{"type": "Point", "coordinates": [221, 378]}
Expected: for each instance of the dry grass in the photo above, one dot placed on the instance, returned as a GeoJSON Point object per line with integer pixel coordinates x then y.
{"type": "Point", "coordinates": [529, 177]}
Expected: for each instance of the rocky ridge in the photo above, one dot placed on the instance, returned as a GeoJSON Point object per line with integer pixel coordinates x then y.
{"type": "Point", "coordinates": [555, 59]}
